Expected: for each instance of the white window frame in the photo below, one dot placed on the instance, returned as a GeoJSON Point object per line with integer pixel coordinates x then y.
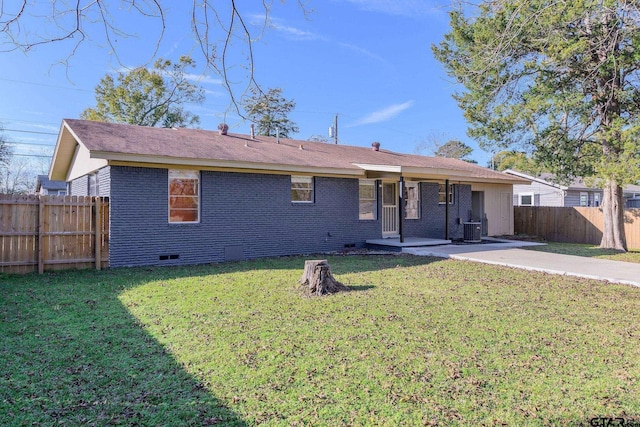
{"type": "Point", "coordinates": [302, 184]}
{"type": "Point", "coordinates": [94, 185]}
{"type": "Point", "coordinates": [374, 206]}
{"type": "Point", "coordinates": [186, 174]}
{"type": "Point", "coordinates": [442, 194]}
{"type": "Point", "coordinates": [408, 202]}
{"type": "Point", "coordinates": [596, 199]}
{"type": "Point", "coordinates": [521, 195]}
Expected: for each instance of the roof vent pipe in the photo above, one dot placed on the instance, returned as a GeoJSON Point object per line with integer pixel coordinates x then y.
{"type": "Point", "coordinates": [223, 128]}
{"type": "Point", "coordinates": [277, 135]}
{"type": "Point", "coordinates": [375, 145]}
{"type": "Point", "coordinates": [253, 131]}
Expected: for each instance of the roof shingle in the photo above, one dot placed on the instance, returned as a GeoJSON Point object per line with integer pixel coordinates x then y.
{"type": "Point", "coordinates": [198, 145]}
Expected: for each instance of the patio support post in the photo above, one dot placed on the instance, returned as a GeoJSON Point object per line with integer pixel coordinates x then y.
{"type": "Point", "coordinates": [446, 209]}
{"type": "Point", "coordinates": [401, 209]}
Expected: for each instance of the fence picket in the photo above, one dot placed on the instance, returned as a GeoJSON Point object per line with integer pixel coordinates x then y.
{"type": "Point", "coordinates": [572, 225]}
{"type": "Point", "coordinates": [42, 233]}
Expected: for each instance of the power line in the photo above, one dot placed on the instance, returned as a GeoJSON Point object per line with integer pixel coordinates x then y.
{"type": "Point", "coordinates": [4, 119]}
{"type": "Point", "coordinates": [30, 143]}
{"type": "Point", "coordinates": [30, 131]}
{"type": "Point", "coordinates": [46, 85]}
{"type": "Point", "coordinates": [32, 155]}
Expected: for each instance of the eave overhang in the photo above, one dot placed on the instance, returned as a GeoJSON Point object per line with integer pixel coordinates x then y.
{"type": "Point", "coordinates": [63, 153]}
{"type": "Point", "coordinates": [436, 174]}
{"type": "Point", "coordinates": [120, 159]}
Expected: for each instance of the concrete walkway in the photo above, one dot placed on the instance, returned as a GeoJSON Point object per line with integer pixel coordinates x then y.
{"type": "Point", "coordinates": [510, 254]}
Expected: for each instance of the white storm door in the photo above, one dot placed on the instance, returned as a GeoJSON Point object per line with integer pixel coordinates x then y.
{"type": "Point", "coordinates": [389, 209]}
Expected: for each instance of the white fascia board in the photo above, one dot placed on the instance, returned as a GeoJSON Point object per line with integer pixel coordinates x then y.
{"type": "Point", "coordinates": [535, 179]}
{"type": "Point", "coordinates": [379, 168]}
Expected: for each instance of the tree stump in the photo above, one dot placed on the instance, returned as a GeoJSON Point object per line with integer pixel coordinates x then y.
{"type": "Point", "coordinates": [318, 280]}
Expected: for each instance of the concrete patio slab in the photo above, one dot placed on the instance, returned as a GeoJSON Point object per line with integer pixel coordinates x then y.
{"type": "Point", "coordinates": [509, 254]}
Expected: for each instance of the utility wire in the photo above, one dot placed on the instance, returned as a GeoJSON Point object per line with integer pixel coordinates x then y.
{"type": "Point", "coordinates": [46, 85]}
{"type": "Point", "coordinates": [29, 143]}
{"type": "Point", "coordinates": [30, 131]}
{"type": "Point", "coordinates": [4, 119]}
{"type": "Point", "coordinates": [32, 155]}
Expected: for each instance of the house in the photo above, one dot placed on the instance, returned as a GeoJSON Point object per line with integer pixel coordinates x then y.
{"type": "Point", "coordinates": [188, 196]}
{"type": "Point", "coordinates": [544, 192]}
{"type": "Point", "coordinates": [46, 186]}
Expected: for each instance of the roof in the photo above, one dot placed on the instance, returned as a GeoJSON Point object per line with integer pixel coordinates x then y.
{"type": "Point", "coordinates": [121, 144]}
{"type": "Point", "coordinates": [576, 185]}
{"type": "Point", "coordinates": [43, 181]}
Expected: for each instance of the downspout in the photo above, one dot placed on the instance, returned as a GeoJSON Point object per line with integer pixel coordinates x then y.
{"type": "Point", "coordinates": [401, 209]}
{"type": "Point", "coordinates": [446, 209]}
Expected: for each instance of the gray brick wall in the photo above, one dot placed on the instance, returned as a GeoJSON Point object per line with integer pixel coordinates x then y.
{"type": "Point", "coordinates": [242, 216]}
{"type": "Point", "coordinates": [432, 215]}
{"type": "Point", "coordinates": [250, 216]}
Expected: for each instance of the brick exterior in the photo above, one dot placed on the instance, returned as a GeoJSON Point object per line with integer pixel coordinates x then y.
{"type": "Point", "coordinates": [246, 215]}
{"type": "Point", "coordinates": [432, 215]}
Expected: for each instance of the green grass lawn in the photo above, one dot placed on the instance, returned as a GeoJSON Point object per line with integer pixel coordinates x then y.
{"type": "Point", "coordinates": [417, 341]}
{"type": "Point", "coordinates": [592, 251]}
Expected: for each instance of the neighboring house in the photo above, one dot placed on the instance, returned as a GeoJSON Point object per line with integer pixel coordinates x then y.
{"type": "Point", "coordinates": [544, 192]}
{"type": "Point", "coordinates": [188, 196]}
{"type": "Point", "coordinates": [45, 186]}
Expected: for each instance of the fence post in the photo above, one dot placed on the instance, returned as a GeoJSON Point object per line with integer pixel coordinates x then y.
{"type": "Point", "coordinates": [98, 242]}
{"type": "Point", "coordinates": [40, 234]}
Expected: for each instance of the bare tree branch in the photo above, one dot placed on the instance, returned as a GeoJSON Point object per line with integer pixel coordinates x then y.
{"type": "Point", "coordinates": [27, 25]}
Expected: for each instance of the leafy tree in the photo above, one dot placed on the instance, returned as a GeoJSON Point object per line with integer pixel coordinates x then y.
{"type": "Point", "coordinates": [454, 149]}
{"type": "Point", "coordinates": [516, 160]}
{"type": "Point", "coordinates": [269, 111]}
{"type": "Point", "coordinates": [563, 78]}
{"type": "Point", "coordinates": [148, 97]}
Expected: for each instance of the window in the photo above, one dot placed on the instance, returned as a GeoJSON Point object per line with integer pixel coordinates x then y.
{"type": "Point", "coordinates": [367, 199]}
{"type": "Point", "coordinates": [412, 200]}
{"type": "Point", "coordinates": [526, 199]}
{"type": "Point", "coordinates": [184, 196]}
{"type": "Point", "coordinates": [93, 184]}
{"type": "Point", "coordinates": [584, 199]}
{"type": "Point", "coordinates": [596, 199]}
{"type": "Point", "coordinates": [301, 189]}
{"type": "Point", "coordinates": [442, 195]}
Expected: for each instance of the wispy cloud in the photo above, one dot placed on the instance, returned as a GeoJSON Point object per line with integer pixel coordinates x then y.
{"type": "Point", "coordinates": [382, 115]}
{"type": "Point", "coordinates": [361, 51]}
{"type": "Point", "coordinates": [399, 7]}
{"type": "Point", "coordinates": [287, 30]}
{"type": "Point", "coordinates": [200, 78]}
{"type": "Point", "coordinates": [193, 77]}
{"type": "Point", "coordinates": [294, 33]}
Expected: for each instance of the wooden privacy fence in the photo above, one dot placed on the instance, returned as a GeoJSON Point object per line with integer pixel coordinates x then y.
{"type": "Point", "coordinates": [572, 225]}
{"type": "Point", "coordinates": [39, 233]}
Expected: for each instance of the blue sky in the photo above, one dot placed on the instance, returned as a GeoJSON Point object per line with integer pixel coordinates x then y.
{"type": "Point", "coordinates": [369, 61]}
